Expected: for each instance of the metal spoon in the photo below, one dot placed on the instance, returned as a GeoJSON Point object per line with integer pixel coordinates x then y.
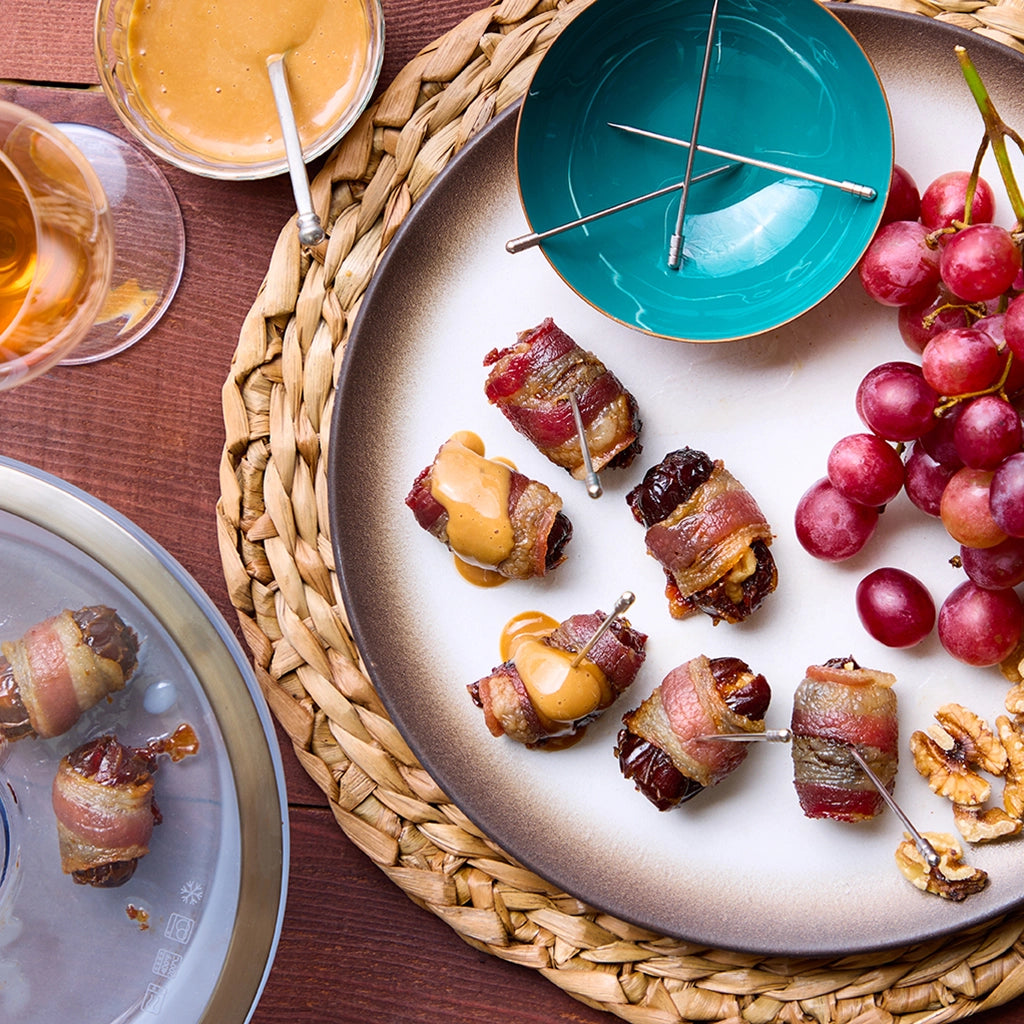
{"type": "Point", "coordinates": [311, 231]}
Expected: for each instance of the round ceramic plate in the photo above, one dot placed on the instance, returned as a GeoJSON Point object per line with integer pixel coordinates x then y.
{"type": "Point", "coordinates": [739, 866]}
{"type": "Point", "coordinates": [787, 85]}
{"type": "Point", "coordinates": [191, 936]}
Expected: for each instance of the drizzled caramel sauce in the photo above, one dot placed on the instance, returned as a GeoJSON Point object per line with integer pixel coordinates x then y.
{"type": "Point", "coordinates": [558, 690]}
{"type": "Point", "coordinates": [474, 491]}
{"type": "Point", "coordinates": [528, 625]}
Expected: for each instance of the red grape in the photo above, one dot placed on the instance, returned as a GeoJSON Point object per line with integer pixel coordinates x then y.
{"type": "Point", "coordinates": [830, 526]}
{"type": "Point", "coordinates": [942, 202]}
{"type": "Point", "coordinates": [1006, 495]}
{"type": "Point", "coordinates": [895, 402]}
{"type": "Point", "coordinates": [865, 469]}
{"type": "Point", "coordinates": [965, 509]}
{"type": "Point", "coordinates": [904, 199]}
{"type": "Point", "coordinates": [898, 268]}
{"type": "Point", "coordinates": [988, 431]}
{"type": "Point", "coordinates": [1013, 326]}
{"type": "Point", "coordinates": [919, 323]}
{"type": "Point", "coordinates": [926, 479]}
{"type": "Point", "coordinates": [962, 361]}
{"type": "Point", "coordinates": [980, 262]}
{"type": "Point", "coordinates": [939, 442]}
{"type": "Point", "coordinates": [995, 568]}
{"type": "Point", "coordinates": [979, 626]}
{"type": "Point", "coordinates": [895, 607]}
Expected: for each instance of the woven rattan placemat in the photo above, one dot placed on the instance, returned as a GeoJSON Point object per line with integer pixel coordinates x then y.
{"type": "Point", "coordinates": [278, 563]}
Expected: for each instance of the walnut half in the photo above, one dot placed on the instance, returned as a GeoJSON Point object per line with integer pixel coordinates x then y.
{"type": "Point", "coordinates": [952, 878]}
{"type": "Point", "coordinates": [947, 774]}
{"type": "Point", "coordinates": [975, 743]}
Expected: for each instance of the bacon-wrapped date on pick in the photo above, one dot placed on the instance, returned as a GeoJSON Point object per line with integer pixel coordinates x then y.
{"type": "Point", "coordinates": [60, 668]}
{"type": "Point", "coordinates": [538, 698]}
{"type": "Point", "coordinates": [709, 535]}
{"type": "Point", "coordinates": [104, 806]}
{"type": "Point", "coordinates": [839, 705]}
{"type": "Point", "coordinates": [488, 514]}
{"type": "Point", "coordinates": [661, 748]}
{"type": "Point", "coordinates": [531, 381]}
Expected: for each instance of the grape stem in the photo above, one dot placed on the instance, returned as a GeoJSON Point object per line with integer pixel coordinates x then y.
{"type": "Point", "coordinates": [996, 133]}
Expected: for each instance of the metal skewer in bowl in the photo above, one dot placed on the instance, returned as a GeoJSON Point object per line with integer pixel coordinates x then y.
{"type": "Point", "coordinates": [311, 231]}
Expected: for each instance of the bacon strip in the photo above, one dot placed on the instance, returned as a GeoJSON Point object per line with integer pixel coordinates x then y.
{"type": "Point", "coordinates": [60, 668]}
{"type": "Point", "coordinates": [530, 383]}
{"type": "Point", "coordinates": [103, 803]}
{"type": "Point", "coordinates": [839, 705]}
{"type": "Point", "coordinates": [661, 748]}
{"type": "Point", "coordinates": [505, 702]}
{"type": "Point", "coordinates": [709, 535]}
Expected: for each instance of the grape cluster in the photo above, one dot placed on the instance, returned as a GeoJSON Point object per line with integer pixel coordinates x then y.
{"type": "Point", "coordinates": [946, 430]}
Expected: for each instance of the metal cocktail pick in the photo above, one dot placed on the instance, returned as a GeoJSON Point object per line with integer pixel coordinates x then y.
{"type": "Point", "coordinates": [624, 601]}
{"type": "Point", "coordinates": [311, 231]}
{"type": "Point", "coordinates": [768, 736]}
{"type": "Point", "coordinates": [535, 238]}
{"type": "Point", "coordinates": [593, 483]}
{"type": "Point", "coordinates": [925, 848]}
{"type": "Point", "coordinates": [863, 191]}
{"type": "Point", "coordinates": [675, 247]}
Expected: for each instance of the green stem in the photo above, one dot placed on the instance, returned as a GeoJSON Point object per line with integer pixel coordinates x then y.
{"type": "Point", "coordinates": [996, 131]}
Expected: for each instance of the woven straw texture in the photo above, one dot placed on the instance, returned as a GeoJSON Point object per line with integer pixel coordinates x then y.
{"type": "Point", "coordinates": [278, 563]}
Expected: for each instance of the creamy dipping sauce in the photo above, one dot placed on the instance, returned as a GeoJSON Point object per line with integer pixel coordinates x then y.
{"type": "Point", "coordinates": [474, 491]}
{"type": "Point", "coordinates": [558, 690]}
{"type": "Point", "coordinates": [201, 68]}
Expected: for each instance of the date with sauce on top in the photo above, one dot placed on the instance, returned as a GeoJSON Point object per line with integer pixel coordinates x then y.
{"type": "Point", "coordinates": [544, 694]}
{"type": "Point", "coordinates": [498, 523]}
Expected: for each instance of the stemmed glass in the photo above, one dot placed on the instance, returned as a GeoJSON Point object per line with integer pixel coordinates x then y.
{"type": "Point", "coordinates": [69, 272]}
{"type": "Point", "coordinates": [56, 245]}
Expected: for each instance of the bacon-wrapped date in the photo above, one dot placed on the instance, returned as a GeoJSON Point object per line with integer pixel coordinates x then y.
{"type": "Point", "coordinates": [60, 668]}
{"type": "Point", "coordinates": [708, 534]}
{"type": "Point", "coordinates": [661, 748]}
{"type": "Point", "coordinates": [103, 802]}
{"type": "Point", "coordinates": [488, 514]}
{"type": "Point", "coordinates": [538, 698]}
{"type": "Point", "coordinates": [837, 706]}
{"type": "Point", "coordinates": [531, 381]}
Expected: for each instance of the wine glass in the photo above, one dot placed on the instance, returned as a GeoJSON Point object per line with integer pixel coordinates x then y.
{"type": "Point", "coordinates": [56, 245]}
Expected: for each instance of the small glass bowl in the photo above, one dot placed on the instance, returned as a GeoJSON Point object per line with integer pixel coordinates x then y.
{"type": "Point", "coordinates": [111, 41]}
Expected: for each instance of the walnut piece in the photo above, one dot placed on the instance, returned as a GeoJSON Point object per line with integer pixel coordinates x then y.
{"type": "Point", "coordinates": [976, 744]}
{"type": "Point", "coordinates": [1015, 698]}
{"type": "Point", "coordinates": [952, 879]}
{"type": "Point", "coordinates": [1013, 744]}
{"type": "Point", "coordinates": [982, 825]}
{"type": "Point", "coordinates": [945, 771]}
{"type": "Point", "coordinates": [1013, 667]}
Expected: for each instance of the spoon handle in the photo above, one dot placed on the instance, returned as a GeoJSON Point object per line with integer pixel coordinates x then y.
{"type": "Point", "coordinates": [311, 231]}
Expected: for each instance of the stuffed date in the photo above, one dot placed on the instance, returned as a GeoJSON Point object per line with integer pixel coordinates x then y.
{"type": "Point", "coordinates": [537, 696]}
{"type": "Point", "coordinates": [663, 746]}
{"type": "Point", "coordinates": [530, 383]}
{"type": "Point", "coordinates": [708, 534]}
{"type": "Point", "coordinates": [60, 668]}
{"type": "Point", "coordinates": [489, 515]}
{"type": "Point", "coordinates": [840, 705]}
{"type": "Point", "coordinates": [103, 803]}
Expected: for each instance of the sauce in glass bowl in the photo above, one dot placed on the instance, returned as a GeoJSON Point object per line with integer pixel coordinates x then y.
{"type": "Point", "coordinates": [189, 77]}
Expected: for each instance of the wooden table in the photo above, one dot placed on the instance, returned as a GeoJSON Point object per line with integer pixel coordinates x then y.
{"type": "Point", "coordinates": [143, 432]}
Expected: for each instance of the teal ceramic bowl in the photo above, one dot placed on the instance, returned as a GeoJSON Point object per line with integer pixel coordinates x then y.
{"type": "Point", "coordinates": [787, 85]}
